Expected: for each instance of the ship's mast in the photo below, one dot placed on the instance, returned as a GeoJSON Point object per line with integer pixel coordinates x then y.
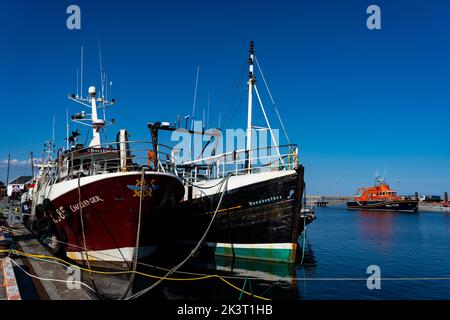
{"type": "Point", "coordinates": [251, 83]}
{"type": "Point", "coordinates": [97, 123]}
{"type": "Point", "coordinates": [93, 121]}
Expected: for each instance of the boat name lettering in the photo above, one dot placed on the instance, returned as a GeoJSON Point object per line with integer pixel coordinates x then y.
{"type": "Point", "coordinates": [61, 214]}
{"type": "Point", "coordinates": [84, 203]}
{"type": "Point", "coordinates": [263, 201]}
{"type": "Point", "coordinates": [102, 150]}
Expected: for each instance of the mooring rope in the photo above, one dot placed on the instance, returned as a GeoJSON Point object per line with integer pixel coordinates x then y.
{"type": "Point", "coordinates": [84, 236]}
{"type": "Point", "coordinates": [51, 279]}
{"type": "Point", "coordinates": [174, 269]}
{"type": "Point", "coordinates": [67, 263]}
{"type": "Point", "coordinates": [303, 238]}
{"type": "Point", "coordinates": [138, 236]}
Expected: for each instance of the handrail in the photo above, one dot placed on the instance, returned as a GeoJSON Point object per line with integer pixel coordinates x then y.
{"type": "Point", "coordinates": [131, 155]}
{"type": "Point", "coordinates": [238, 152]}
{"type": "Point", "coordinates": [99, 159]}
{"type": "Point", "coordinates": [218, 166]}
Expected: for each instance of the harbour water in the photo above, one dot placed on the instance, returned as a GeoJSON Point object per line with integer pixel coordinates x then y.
{"type": "Point", "coordinates": [340, 246]}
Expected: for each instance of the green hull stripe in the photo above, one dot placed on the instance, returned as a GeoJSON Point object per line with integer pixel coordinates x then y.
{"type": "Point", "coordinates": [268, 254]}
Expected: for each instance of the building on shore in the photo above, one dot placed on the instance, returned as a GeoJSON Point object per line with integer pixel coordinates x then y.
{"type": "Point", "coordinates": [17, 184]}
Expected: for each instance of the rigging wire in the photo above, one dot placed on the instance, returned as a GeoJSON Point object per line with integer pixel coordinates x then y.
{"type": "Point", "coordinates": [142, 292]}
{"type": "Point", "coordinates": [240, 75]}
{"type": "Point", "coordinates": [139, 262]}
{"type": "Point", "coordinates": [273, 101]}
{"type": "Point", "coordinates": [50, 279]}
{"type": "Point", "coordinates": [138, 236]}
{"type": "Point", "coordinates": [84, 237]}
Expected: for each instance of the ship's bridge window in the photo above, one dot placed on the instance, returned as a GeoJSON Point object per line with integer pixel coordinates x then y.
{"type": "Point", "coordinates": [76, 164]}
{"type": "Point", "coordinates": [86, 164]}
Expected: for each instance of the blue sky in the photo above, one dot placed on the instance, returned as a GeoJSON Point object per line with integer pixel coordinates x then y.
{"type": "Point", "coordinates": [354, 100]}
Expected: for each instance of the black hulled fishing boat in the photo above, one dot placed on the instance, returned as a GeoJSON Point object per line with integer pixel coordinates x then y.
{"type": "Point", "coordinates": [248, 202]}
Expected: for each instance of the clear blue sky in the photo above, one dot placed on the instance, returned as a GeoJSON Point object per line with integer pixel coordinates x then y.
{"type": "Point", "coordinates": [354, 100]}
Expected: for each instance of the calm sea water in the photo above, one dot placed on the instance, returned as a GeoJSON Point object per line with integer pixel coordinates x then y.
{"type": "Point", "coordinates": [340, 244]}
{"type": "Point", "coordinates": [344, 243]}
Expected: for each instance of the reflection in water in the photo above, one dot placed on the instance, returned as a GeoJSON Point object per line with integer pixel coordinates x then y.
{"type": "Point", "coordinates": [268, 279]}
{"type": "Point", "coordinates": [340, 244]}
{"type": "Point", "coordinates": [307, 268]}
{"type": "Point", "coordinates": [375, 227]}
{"type": "Point", "coordinates": [381, 229]}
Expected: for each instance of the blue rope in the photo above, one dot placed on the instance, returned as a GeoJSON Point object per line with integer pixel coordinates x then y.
{"type": "Point", "coordinates": [243, 288]}
{"type": "Point", "coordinates": [304, 239]}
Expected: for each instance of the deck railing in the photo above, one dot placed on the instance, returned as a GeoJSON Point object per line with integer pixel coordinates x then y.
{"type": "Point", "coordinates": [133, 155]}
{"type": "Point", "coordinates": [235, 162]}
{"type": "Point", "coordinates": [101, 159]}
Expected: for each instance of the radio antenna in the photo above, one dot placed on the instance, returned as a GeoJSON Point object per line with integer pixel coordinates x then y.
{"type": "Point", "coordinates": [53, 130]}
{"type": "Point", "coordinates": [195, 98]}
{"type": "Point", "coordinates": [81, 74]}
{"type": "Point", "coordinates": [67, 129]}
{"type": "Point", "coordinates": [102, 75]}
{"type": "Point", "coordinates": [78, 84]}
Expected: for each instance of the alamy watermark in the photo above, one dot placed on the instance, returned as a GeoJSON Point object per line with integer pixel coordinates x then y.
{"type": "Point", "coordinates": [374, 280]}
{"type": "Point", "coordinates": [73, 21]}
{"type": "Point", "coordinates": [74, 278]}
{"type": "Point", "coordinates": [374, 20]}
{"type": "Point", "coordinates": [205, 146]}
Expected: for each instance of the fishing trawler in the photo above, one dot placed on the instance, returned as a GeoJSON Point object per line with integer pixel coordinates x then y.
{"type": "Point", "coordinates": [381, 198]}
{"type": "Point", "coordinates": [244, 203]}
{"type": "Point", "coordinates": [99, 204]}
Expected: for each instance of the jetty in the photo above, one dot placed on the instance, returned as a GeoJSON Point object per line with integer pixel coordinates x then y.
{"type": "Point", "coordinates": [325, 200]}
{"type": "Point", "coordinates": [31, 278]}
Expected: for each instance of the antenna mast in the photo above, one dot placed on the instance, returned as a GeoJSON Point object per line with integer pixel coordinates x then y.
{"type": "Point", "coordinates": [207, 117]}
{"type": "Point", "coordinates": [32, 164]}
{"type": "Point", "coordinates": [195, 98]}
{"type": "Point", "coordinates": [78, 84]}
{"type": "Point", "coordinates": [67, 128]}
{"type": "Point", "coordinates": [81, 74]}
{"type": "Point", "coordinates": [102, 75]}
{"type": "Point", "coordinates": [251, 83]}
{"type": "Point", "coordinates": [53, 130]}
{"type": "Point", "coordinates": [7, 172]}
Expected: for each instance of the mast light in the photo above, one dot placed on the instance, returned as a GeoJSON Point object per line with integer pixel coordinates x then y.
{"type": "Point", "coordinates": [92, 91]}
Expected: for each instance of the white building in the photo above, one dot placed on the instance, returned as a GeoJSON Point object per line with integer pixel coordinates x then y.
{"type": "Point", "coordinates": [17, 184]}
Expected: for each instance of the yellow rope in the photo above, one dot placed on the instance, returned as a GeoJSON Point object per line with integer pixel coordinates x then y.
{"type": "Point", "coordinates": [40, 256]}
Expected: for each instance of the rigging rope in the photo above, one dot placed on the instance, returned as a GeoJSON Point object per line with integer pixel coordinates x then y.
{"type": "Point", "coordinates": [84, 236]}
{"type": "Point", "coordinates": [174, 269]}
{"type": "Point", "coordinates": [66, 263]}
{"type": "Point", "coordinates": [303, 238]}
{"type": "Point", "coordinates": [271, 98]}
{"type": "Point", "coordinates": [138, 236]}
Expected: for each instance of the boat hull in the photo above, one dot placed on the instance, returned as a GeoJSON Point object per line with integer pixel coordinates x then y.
{"type": "Point", "coordinates": [398, 205]}
{"type": "Point", "coordinates": [259, 221]}
{"type": "Point", "coordinates": [110, 207]}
